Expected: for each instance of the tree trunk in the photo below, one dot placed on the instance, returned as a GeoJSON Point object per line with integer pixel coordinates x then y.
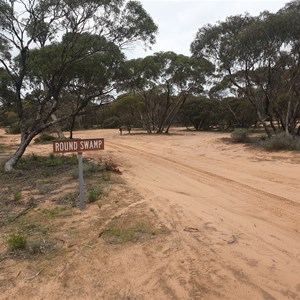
{"type": "Point", "coordinates": [72, 126]}
{"type": "Point", "coordinates": [263, 122]}
{"type": "Point", "coordinates": [287, 132]}
{"type": "Point", "coordinates": [58, 130]}
{"type": "Point", "coordinates": [10, 164]}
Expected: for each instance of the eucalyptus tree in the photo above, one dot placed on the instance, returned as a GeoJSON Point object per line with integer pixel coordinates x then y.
{"type": "Point", "coordinates": [289, 65]}
{"type": "Point", "coordinates": [259, 57]}
{"type": "Point", "coordinates": [128, 109]}
{"type": "Point", "coordinates": [60, 34]}
{"type": "Point", "coordinates": [164, 81]}
{"type": "Point", "coordinates": [201, 112]}
{"type": "Point", "coordinates": [235, 59]}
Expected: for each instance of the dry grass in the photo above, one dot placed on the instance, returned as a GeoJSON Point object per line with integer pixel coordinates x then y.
{"type": "Point", "coordinates": [40, 221]}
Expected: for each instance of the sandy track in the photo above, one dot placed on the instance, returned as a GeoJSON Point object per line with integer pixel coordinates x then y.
{"type": "Point", "coordinates": [233, 214]}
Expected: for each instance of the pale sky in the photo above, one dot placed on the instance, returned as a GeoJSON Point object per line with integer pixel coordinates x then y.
{"type": "Point", "coordinates": [179, 20]}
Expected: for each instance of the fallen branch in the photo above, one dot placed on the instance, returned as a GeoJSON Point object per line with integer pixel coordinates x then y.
{"type": "Point", "coordinates": [61, 270]}
{"type": "Point", "coordinates": [191, 229]}
{"type": "Point", "coordinates": [35, 275]}
{"type": "Point", "coordinates": [23, 212]}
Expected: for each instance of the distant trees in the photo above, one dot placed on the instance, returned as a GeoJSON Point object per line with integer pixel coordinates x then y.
{"type": "Point", "coordinates": [63, 59]}
{"type": "Point", "coordinates": [47, 47]}
{"type": "Point", "coordinates": [163, 82]}
{"type": "Point", "coordinates": [201, 112]}
{"type": "Point", "coordinates": [259, 57]}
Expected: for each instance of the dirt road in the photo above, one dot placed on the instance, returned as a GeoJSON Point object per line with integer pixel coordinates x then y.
{"type": "Point", "coordinates": [232, 213]}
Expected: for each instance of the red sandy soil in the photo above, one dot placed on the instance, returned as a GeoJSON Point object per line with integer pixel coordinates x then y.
{"type": "Point", "coordinates": [233, 213]}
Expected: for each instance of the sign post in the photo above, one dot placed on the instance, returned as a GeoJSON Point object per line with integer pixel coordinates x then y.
{"type": "Point", "coordinates": [81, 184]}
{"type": "Point", "coordinates": [66, 146]}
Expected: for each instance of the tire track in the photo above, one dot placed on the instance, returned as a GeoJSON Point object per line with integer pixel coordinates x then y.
{"type": "Point", "coordinates": [278, 205]}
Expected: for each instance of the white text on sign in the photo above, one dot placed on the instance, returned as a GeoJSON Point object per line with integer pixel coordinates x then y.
{"type": "Point", "coordinates": [78, 145]}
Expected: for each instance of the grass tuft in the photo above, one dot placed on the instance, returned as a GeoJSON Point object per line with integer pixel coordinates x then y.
{"type": "Point", "coordinates": [94, 195]}
{"type": "Point", "coordinates": [17, 196]}
{"type": "Point", "coordinates": [17, 242]}
{"type": "Point", "coordinates": [123, 230]}
{"type": "Point", "coordinates": [44, 138]}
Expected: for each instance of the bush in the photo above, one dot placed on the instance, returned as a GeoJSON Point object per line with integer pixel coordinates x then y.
{"type": "Point", "coordinates": [13, 128]}
{"type": "Point", "coordinates": [282, 141]}
{"type": "Point", "coordinates": [240, 135]}
{"type": "Point", "coordinates": [17, 242]}
{"type": "Point", "coordinates": [94, 195]}
{"type": "Point", "coordinates": [44, 138]}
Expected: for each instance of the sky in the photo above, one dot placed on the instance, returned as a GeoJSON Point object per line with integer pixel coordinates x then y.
{"type": "Point", "coordinates": [179, 20]}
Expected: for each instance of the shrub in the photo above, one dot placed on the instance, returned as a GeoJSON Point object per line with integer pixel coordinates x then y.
{"type": "Point", "coordinates": [13, 129]}
{"type": "Point", "coordinates": [17, 242]}
{"type": "Point", "coordinates": [44, 138]}
{"type": "Point", "coordinates": [240, 135]}
{"type": "Point", "coordinates": [281, 141]}
{"type": "Point", "coordinates": [94, 195]}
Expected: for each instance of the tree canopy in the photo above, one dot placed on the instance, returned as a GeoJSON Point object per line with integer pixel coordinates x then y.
{"type": "Point", "coordinates": [164, 81]}
{"type": "Point", "coordinates": [260, 58]}
{"type": "Point", "coordinates": [47, 47]}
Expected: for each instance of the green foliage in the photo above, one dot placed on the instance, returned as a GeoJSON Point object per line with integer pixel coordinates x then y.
{"type": "Point", "coordinates": [44, 138]}
{"type": "Point", "coordinates": [281, 141]}
{"type": "Point", "coordinates": [201, 112]}
{"type": "Point", "coordinates": [13, 128]}
{"type": "Point", "coordinates": [240, 135]}
{"type": "Point", "coordinates": [260, 59]}
{"type": "Point", "coordinates": [94, 195]}
{"type": "Point", "coordinates": [89, 168]}
{"type": "Point", "coordinates": [106, 176]}
{"type": "Point", "coordinates": [36, 161]}
{"type": "Point", "coordinates": [17, 196]}
{"type": "Point", "coordinates": [55, 212]}
{"type": "Point", "coordinates": [118, 233]}
{"type": "Point", "coordinates": [82, 62]}
{"type": "Point", "coordinates": [165, 80]}
{"type": "Point", "coordinates": [17, 242]}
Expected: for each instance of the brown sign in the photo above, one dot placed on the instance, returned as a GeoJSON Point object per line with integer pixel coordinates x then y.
{"type": "Point", "coordinates": [78, 145]}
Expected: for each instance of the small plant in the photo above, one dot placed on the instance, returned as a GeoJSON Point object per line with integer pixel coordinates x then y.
{"type": "Point", "coordinates": [34, 157]}
{"type": "Point", "coordinates": [240, 135]}
{"type": "Point", "coordinates": [94, 195]}
{"type": "Point", "coordinates": [17, 242]}
{"type": "Point", "coordinates": [88, 168]}
{"type": "Point", "coordinates": [106, 176]}
{"type": "Point", "coordinates": [17, 196]}
{"type": "Point", "coordinates": [37, 246]}
{"type": "Point", "coordinates": [124, 229]}
{"type": "Point", "coordinates": [55, 212]}
{"type": "Point", "coordinates": [60, 160]}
